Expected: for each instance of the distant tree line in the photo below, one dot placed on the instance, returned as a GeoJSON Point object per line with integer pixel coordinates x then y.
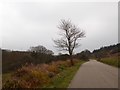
{"type": "Point", "coordinates": [103, 52]}
{"type": "Point", "coordinates": [106, 51]}
{"type": "Point", "coordinates": [11, 60]}
{"type": "Point", "coordinates": [84, 55]}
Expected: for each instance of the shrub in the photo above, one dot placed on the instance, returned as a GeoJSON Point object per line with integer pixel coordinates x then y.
{"type": "Point", "coordinates": [34, 76]}
{"type": "Point", "coordinates": [53, 68]}
{"type": "Point", "coordinates": [27, 78]}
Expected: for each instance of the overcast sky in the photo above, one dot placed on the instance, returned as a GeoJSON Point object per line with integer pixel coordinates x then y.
{"type": "Point", "coordinates": [26, 24]}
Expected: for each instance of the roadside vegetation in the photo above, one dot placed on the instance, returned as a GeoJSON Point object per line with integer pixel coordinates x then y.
{"type": "Point", "coordinates": [108, 55]}
{"type": "Point", "coordinates": [55, 74]}
{"type": "Point", "coordinates": [12, 60]}
{"type": "Point", "coordinates": [114, 61]}
{"type": "Point", "coordinates": [63, 79]}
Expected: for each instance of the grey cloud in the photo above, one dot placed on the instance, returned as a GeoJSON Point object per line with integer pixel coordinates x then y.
{"type": "Point", "coordinates": [30, 24]}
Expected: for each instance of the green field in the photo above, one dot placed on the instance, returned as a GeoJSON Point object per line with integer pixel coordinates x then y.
{"type": "Point", "coordinates": [114, 61]}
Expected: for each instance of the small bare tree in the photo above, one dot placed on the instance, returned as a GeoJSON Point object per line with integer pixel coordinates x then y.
{"type": "Point", "coordinates": [70, 34]}
{"type": "Point", "coordinates": [41, 49]}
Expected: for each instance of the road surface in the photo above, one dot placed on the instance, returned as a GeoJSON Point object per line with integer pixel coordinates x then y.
{"type": "Point", "coordinates": [94, 74]}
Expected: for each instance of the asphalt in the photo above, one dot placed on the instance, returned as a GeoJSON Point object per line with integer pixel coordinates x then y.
{"type": "Point", "coordinates": [94, 74]}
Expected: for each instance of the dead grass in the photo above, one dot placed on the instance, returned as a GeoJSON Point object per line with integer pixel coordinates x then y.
{"type": "Point", "coordinates": [36, 76]}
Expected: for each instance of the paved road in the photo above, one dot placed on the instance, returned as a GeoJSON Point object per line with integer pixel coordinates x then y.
{"type": "Point", "coordinates": [94, 74]}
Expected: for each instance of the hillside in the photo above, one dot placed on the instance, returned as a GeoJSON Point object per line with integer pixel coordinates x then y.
{"type": "Point", "coordinates": [107, 51]}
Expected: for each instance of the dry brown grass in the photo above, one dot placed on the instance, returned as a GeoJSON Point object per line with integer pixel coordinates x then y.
{"type": "Point", "coordinates": [34, 76]}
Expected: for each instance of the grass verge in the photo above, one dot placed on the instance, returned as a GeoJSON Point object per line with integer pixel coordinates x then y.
{"type": "Point", "coordinates": [63, 79]}
{"type": "Point", "coordinates": [113, 61]}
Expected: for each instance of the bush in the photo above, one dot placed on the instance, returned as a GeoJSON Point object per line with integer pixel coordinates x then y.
{"type": "Point", "coordinates": [27, 77]}
{"type": "Point", "coordinates": [36, 76]}
{"type": "Point", "coordinates": [53, 68]}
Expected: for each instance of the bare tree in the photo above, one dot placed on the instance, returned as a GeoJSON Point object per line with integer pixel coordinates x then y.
{"type": "Point", "coordinates": [70, 35]}
{"type": "Point", "coordinates": [41, 49]}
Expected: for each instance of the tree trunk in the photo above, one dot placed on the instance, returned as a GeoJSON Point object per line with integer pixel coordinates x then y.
{"type": "Point", "coordinates": [71, 60]}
